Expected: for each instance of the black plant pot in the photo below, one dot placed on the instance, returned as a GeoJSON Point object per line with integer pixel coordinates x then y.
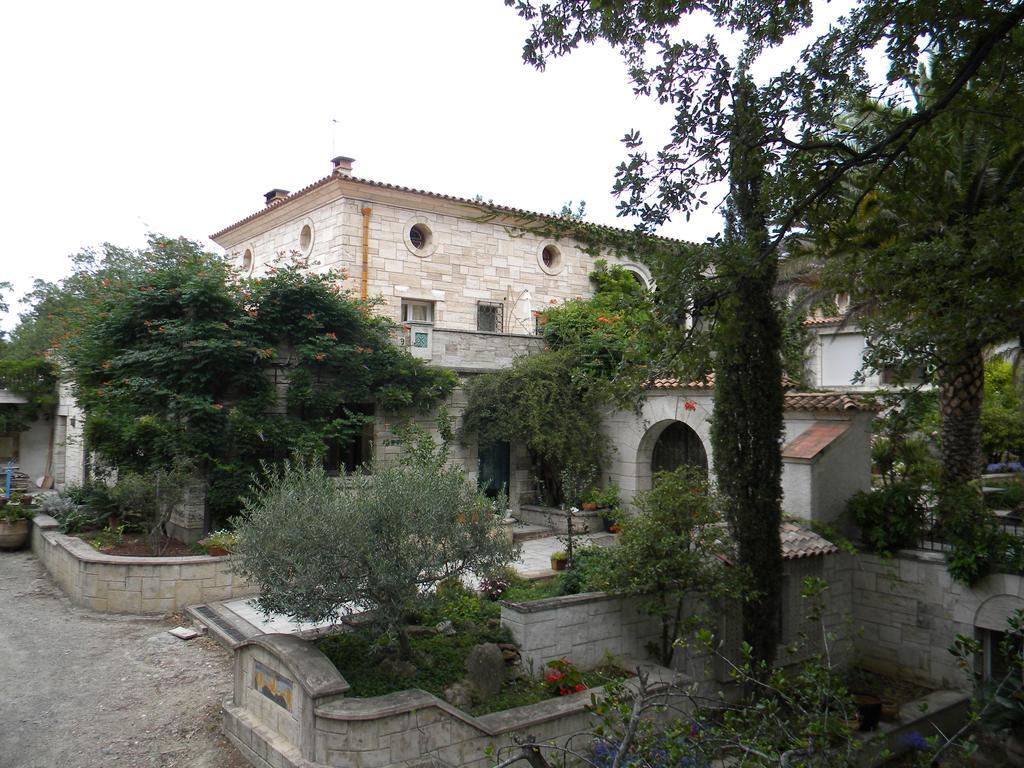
{"type": "Point", "coordinates": [869, 710]}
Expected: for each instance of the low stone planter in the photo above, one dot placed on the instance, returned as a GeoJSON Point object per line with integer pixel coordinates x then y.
{"type": "Point", "coordinates": [289, 709]}
{"type": "Point", "coordinates": [141, 585]}
{"type": "Point", "coordinates": [584, 521]}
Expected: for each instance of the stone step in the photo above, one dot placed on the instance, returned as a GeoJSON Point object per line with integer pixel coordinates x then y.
{"type": "Point", "coordinates": [523, 532]}
{"type": "Point", "coordinates": [223, 624]}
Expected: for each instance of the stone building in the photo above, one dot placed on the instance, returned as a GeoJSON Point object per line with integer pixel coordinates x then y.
{"type": "Point", "coordinates": [465, 281]}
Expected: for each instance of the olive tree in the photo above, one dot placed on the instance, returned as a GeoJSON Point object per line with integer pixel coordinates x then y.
{"type": "Point", "coordinates": [320, 549]}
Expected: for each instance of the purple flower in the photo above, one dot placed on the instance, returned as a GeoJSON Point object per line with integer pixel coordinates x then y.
{"type": "Point", "coordinates": [915, 740]}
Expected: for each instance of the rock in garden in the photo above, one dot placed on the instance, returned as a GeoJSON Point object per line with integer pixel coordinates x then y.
{"type": "Point", "coordinates": [459, 695]}
{"type": "Point", "coordinates": [397, 668]}
{"type": "Point", "coordinates": [485, 667]}
{"type": "Point", "coordinates": [445, 628]}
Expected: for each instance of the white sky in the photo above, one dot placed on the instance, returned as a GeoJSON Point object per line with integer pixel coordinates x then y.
{"type": "Point", "coordinates": [128, 117]}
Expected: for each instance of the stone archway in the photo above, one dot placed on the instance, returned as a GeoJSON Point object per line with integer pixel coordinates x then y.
{"type": "Point", "coordinates": [666, 445]}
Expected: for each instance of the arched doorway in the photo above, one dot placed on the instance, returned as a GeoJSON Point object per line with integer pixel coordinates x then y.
{"type": "Point", "coordinates": [678, 445]}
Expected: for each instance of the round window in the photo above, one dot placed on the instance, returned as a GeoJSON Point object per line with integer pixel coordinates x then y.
{"type": "Point", "coordinates": [550, 258]}
{"type": "Point", "coordinates": [305, 237]}
{"type": "Point", "coordinates": [419, 236]}
{"type": "Point", "coordinates": [247, 260]}
{"type": "Point", "coordinates": [550, 255]}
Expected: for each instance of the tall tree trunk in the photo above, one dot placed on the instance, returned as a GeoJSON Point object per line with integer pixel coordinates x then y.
{"type": "Point", "coordinates": [961, 386]}
{"type": "Point", "coordinates": [747, 426]}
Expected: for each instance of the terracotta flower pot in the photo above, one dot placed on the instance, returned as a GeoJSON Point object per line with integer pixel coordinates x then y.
{"type": "Point", "coordinates": [216, 551]}
{"type": "Point", "coordinates": [558, 565]}
{"type": "Point", "coordinates": [13, 535]}
{"type": "Point", "coordinates": [589, 506]}
{"type": "Point", "coordinates": [890, 710]}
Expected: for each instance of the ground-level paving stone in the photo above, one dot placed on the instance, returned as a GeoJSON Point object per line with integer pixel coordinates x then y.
{"type": "Point", "coordinates": [85, 690]}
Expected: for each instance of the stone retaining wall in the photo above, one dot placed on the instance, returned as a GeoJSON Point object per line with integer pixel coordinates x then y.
{"type": "Point", "coordinates": [909, 610]}
{"type": "Point", "coordinates": [289, 709]}
{"type": "Point", "coordinates": [114, 584]}
{"type": "Point", "coordinates": [581, 628]}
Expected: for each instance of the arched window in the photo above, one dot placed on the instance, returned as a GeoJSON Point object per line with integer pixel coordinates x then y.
{"type": "Point", "coordinates": [677, 445]}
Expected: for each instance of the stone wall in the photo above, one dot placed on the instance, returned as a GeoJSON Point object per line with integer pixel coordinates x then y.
{"type": "Point", "coordinates": [583, 628]}
{"type": "Point", "coordinates": [187, 522]}
{"type": "Point", "coordinates": [475, 351]}
{"type": "Point", "coordinates": [113, 584]}
{"type": "Point", "coordinates": [908, 611]}
{"type": "Point", "coordinates": [580, 628]}
{"type": "Point", "coordinates": [296, 713]}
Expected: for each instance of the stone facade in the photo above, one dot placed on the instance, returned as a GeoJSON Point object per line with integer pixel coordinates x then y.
{"type": "Point", "coordinates": [469, 256]}
{"type": "Point", "coordinates": [812, 490]}
{"type": "Point", "coordinates": [137, 585]}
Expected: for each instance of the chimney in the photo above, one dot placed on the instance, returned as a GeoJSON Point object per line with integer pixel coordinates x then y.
{"type": "Point", "coordinates": [275, 196]}
{"type": "Point", "coordinates": [343, 165]}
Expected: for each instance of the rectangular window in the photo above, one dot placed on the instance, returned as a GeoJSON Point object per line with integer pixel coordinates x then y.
{"type": "Point", "coordinates": [417, 311]}
{"type": "Point", "coordinates": [489, 316]}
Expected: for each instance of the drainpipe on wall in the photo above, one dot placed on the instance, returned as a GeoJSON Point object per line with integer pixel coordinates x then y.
{"type": "Point", "coordinates": [366, 252]}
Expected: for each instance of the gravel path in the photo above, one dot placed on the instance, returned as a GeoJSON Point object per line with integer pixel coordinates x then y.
{"type": "Point", "coordinates": [84, 690]}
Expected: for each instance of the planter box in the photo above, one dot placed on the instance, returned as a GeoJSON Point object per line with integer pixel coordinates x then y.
{"type": "Point", "coordinates": [139, 585]}
{"type": "Point", "coordinates": [556, 519]}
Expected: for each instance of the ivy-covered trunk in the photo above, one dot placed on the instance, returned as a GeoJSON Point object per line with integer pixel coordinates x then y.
{"type": "Point", "coordinates": [747, 427]}
{"type": "Point", "coordinates": [961, 386]}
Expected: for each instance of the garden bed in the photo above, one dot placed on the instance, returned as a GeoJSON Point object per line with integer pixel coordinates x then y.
{"type": "Point", "coordinates": [448, 627]}
{"type": "Point", "coordinates": [132, 584]}
{"type": "Point", "coordinates": [138, 545]}
{"type": "Point", "coordinates": [439, 664]}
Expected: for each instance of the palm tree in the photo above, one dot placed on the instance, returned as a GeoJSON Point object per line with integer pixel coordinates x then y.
{"type": "Point", "coordinates": [929, 254]}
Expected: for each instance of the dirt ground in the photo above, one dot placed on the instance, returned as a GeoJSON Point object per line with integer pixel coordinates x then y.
{"type": "Point", "coordinates": [85, 690]}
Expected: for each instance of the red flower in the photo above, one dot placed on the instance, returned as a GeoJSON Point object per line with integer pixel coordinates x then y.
{"type": "Point", "coordinates": [580, 687]}
{"type": "Point", "coordinates": [319, 357]}
{"type": "Point", "coordinates": [690, 405]}
{"type": "Point", "coordinates": [603, 319]}
{"type": "Point", "coordinates": [563, 691]}
{"type": "Point", "coordinates": [331, 335]}
{"type": "Point", "coordinates": [553, 301]}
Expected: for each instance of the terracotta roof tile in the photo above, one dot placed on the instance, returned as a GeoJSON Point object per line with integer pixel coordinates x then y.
{"type": "Point", "coordinates": [824, 320]}
{"type": "Point", "coordinates": [798, 542]}
{"type": "Point", "coordinates": [827, 401]}
{"type": "Point", "coordinates": [794, 401]}
{"type": "Point", "coordinates": [814, 440]}
{"type": "Point", "coordinates": [398, 188]}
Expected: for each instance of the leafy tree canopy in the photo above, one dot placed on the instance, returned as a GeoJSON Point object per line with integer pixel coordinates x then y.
{"type": "Point", "coordinates": [173, 356]}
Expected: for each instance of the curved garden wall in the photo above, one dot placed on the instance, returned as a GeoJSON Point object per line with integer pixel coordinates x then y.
{"type": "Point", "coordinates": [289, 709]}
{"type": "Point", "coordinates": [115, 584]}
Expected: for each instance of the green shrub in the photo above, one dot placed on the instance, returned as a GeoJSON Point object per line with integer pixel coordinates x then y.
{"type": "Point", "coordinates": [978, 544]}
{"type": "Point", "coordinates": [379, 541]}
{"type": "Point", "coordinates": [889, 518]}
{"type": "Point", "coordinates": [676, 544]}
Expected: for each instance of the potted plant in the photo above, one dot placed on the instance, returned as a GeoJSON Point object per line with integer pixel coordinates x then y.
{"type": "Point", "coordinates": [14, 526]}
{"type": "Point", "coordinates": [559, 560]}
{"type": "Point", "coordinates": [219, 543]}
{"type": "Point", "coordinates": [605, 500]}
